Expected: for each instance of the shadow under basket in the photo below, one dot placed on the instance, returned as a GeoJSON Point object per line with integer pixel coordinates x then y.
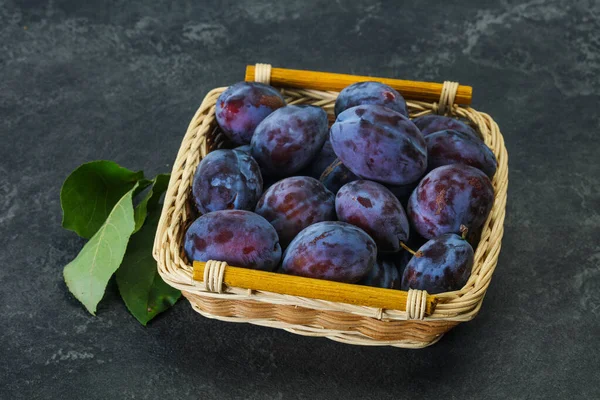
{"type": "Point", "coordinates": [363, 315]}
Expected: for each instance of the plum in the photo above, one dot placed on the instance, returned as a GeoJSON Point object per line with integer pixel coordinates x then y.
{"type": "Point", "coordinates": [241, 107]}
{"type": "Point", "coordinates": [379, 144]}
{"type": "Point", "coordinates": [323, 159]}
{"type": "Point", "coordinates": [443, 264]}
{"type": "Point", "coordinates": [238, 237]}
{"type": "Point", "coordinates": [337, 175]}
{"type": "Point", "coordinates": [370, 93]}
{"type": "Point", "coordinates": [294, 203]}
{"type": "Point", "coordinates": [268, 180]}
{"type": "Point", "coordinates": [403, 192]}
{"type": "Point", "coordinates": [414, 242]}
{"type": "Point", "coordinates": [374, 209]}
{"type": "Point", "coordinates": [403, 258]}
{"type": "Point", "coordinates": [225, 180]}
{"type": "Point", "coordinates": [384, 274]}
{"type": "Point", "coordinates": [331, 250]}
{"type": "Point", "coordinates": [246, 148]}
{"type": "Point", "coordinates": [453, 147]}
{"type": "Point", "coordinates": [288, 139]}
{"type": "Point", "coordinates": [448, 197]}
{"type": "Point", "coordinates": [431, 123]}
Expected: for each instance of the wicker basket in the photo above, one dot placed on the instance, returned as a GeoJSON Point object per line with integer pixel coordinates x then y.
{"type": "Point", "coordinates": [417, 320]}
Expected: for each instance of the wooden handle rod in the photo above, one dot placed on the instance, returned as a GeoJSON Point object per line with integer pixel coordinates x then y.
{"type": "Point", "coordinates": [412, 90]}
{"type": "Point", "coordinates": [314, 288]}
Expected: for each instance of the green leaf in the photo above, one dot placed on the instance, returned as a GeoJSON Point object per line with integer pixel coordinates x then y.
{"type": "Point", "coordinates": [142, 184]}
{"type": "Point", "coordinates": [88, 274]}
{"type": "Point", "coordinates": [90, 193]}
{"type": "Point", "coordinates": [145, 293]}
{"type": "Point", "coordinates": [150, 201]}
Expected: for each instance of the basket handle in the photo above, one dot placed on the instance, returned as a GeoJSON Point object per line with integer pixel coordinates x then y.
{"type": "Point", "coordinates": [299, 79]}
{"type": "Point", "coordinates": [214, 274]}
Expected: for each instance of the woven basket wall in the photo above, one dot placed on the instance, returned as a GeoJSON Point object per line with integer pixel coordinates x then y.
{"type": "Point", "coordinates": [337, 321]}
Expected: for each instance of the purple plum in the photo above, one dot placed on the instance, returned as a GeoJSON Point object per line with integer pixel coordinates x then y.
{"type": "Point", "coordinates": [448, 197]}
{"type": "Point", "coordinates": [431, 123]}
{"type": "Point", "coordinates": [337, 175]}
{"type": "Point", "coordinates": [403, 192]}
{"type": "Point", "coordinates": [443, 264]}
{"type": "Point", "coordinates": [370, 93]}
{"type": "Point", "coordinates": [374, 209]}
{"type": "Point", "coordinates": [453, 147]}
{"type": "Point", "coordinates": [246, 148]}
{"type": "Point", "coordinates": [324, 159]}
{"type": "Point", "coordinates": [225, 180]}
{"type": "Point", "coordinates": [288, 139]}
{"type": "Point", "coordinates": [384, 274]}
{"type": "Point", "coordinates": [331, 250]}
{"type": "Point", "coordinates": [292, 204]}
{"type": "Point", "coordinates": [240, 238]}
{"type": "Point", "coordinates": [379, 144]}
{"type": "Point", "coordinates": [241, 107]}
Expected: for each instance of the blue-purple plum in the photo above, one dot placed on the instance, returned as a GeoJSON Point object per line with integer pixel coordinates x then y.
{"type": "Point", "coordinates": [294, 203]}
{"type": "Point", "coordinates": [414, 242]}
{"type": "Point", "coordinates": [370, 92]}
{"type": "Point", "coordinates": [337, 175]}
{"type": "Point", "coordinates": [453, 147]}
{"type": "Point", "coordinates": [268, 180]}
{"type": "Point", "coordinates": [402, 261]}
{"type": "Point", "coordinates": [443, 264]}
{"type": "Point", "coordinates": [288, 139]}
{"type": "Point", "coordinates": [240, 238]}
{"type": "Point", "coordinates": [226, 180]}
{"type": "Point", "coordinates": [331, 250]}
{"type": "Point", "coordinates": [246, 148]}
{"type": "Point", "coordinates": [448, 197]}
{"type": "Point", "coordinates": [379, 144]}
{"type": "Point", "coordinates": [384, 274]}
{"type": "Point", "coordinates": [241, 107]}
{"type": "Point", "coordinates": [374, 209]}
{"type": "Point", "coordinates": [473, 236]}
{"type": "Point", "coordinates": [323, 159]}
{"type": "Point", "coordinates": [403, 192]}
{"type": "Point", "coordinates": [432, 123]}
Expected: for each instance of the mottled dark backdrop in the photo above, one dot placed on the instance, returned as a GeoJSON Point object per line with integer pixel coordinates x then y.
{"type": "Point", "coordinates": [120, 80]}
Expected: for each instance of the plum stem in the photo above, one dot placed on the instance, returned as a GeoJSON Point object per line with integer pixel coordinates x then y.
{"type": "Point", "coordinates": [463, 232]}
{"type": "Point", "coordinates": [411, 251]}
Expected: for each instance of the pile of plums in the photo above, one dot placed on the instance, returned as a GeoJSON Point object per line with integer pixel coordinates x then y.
{"type": "Point", "coordinates": [347, 202]}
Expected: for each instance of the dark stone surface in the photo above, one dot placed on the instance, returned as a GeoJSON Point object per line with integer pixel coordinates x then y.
{"type": "Point", "coordinates": [120, 80]}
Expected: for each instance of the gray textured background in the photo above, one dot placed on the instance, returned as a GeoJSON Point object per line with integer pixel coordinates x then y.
{"type": "Point", "coordinates": [120, 80]}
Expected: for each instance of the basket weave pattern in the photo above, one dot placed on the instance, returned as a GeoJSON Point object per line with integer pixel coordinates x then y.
{"type": "Point", "coordinates": [337, 321]}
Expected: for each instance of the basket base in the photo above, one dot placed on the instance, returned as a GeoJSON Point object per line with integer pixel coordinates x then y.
{"type": "Point", "coordinates": [338, 326]}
